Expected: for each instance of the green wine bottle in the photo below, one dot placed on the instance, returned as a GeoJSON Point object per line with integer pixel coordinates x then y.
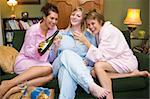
{"type": "Point", "coordinates": [47, 43]}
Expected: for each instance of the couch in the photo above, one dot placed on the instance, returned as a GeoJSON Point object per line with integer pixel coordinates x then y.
{"type": "Point", "coordinates": [124, 88]}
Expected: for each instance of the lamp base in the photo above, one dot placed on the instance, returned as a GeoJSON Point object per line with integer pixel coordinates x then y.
{"type": "Point", "coordinates": [132, 29]}
{"type": "Point", "coordinates": [132, 35]}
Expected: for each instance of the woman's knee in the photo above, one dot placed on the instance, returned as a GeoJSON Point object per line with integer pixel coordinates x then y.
{"type": "Point", "coordinates": [47, 69]}
{"type": "Point", "coordinates": [50, 77]}
{"type": "Point", "coordinates": [102, 66]}
{"type": "Point", "coordinates": [69, 53]}
{"type": "Point", "coordinates": [44, 69]}
{"type": "Point", "coordinates": [70, 56]}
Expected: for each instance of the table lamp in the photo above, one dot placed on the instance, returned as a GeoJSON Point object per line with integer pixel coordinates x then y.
{"type": "Point", "coordinates": [133, 19]}
{"type": "Point", "coordinates": [12, 3]}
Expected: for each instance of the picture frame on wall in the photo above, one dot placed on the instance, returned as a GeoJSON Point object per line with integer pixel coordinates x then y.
{"type": "Point", "coordinates": [28, 2]}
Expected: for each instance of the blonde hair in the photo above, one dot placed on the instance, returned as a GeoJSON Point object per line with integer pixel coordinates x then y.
{"type": "Point", "coordinates": [83, 26]}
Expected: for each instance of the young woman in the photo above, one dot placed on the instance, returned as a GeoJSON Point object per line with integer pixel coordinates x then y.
{"type": "Point", "coordinates": [71, 65]}
{"type": "Point", "coordinates": [30, 65]}
{"type": "Point", "coordinates": [113, 57]}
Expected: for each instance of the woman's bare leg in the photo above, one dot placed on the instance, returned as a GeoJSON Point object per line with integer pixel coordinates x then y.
{"type": "Point", "coordinates": [98, 91]}
{"type": "Point", "coordinates": [135, 73]}
{"type": "Point", "coordinates": [31, 73]}
{"type": "Point", "coordinates": [104, 77]}
{"type": "Point", "coordinates": [35, 82]}
{"type": "Point", "coordinates": [100, 69]}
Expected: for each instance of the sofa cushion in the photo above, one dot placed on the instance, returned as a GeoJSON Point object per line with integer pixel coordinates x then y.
{"type": "Point", "coordinates": [7, 76]}
{"type": "Point", "coordinates": [143, 61]}
{"type": "Point", "coordinates": [129, 83]}
{"type": "Point", "coordinates": [7, 58]}
{"type": "Point", "coordinates": [126, 87]}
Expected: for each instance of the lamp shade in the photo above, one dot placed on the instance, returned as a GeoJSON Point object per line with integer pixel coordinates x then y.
{"type": "Point", "coordinates": [133, 17]}
{"type": "Point", "coordinates": [11, 2]}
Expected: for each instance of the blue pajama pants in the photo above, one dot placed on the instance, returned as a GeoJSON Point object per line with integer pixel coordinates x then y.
{"type": "Point", "coordinates": [71, 70]}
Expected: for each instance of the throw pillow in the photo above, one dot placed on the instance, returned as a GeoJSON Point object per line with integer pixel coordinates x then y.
{"type": "Point", "coordinates": [7, 58]}
{"type": "Point", "coordinates": [34, 93]}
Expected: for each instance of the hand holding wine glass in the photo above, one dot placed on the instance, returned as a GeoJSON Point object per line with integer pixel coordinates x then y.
{"type": "Point", "coordinates": [77, 36]}
{"type": "Point", "coordinates": [81, 38]}
{"type": "Point", "coordinates": [56, 42]}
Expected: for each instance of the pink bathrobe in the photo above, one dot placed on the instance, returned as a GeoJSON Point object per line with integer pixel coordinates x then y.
{"type": "Point", "coordinates": [29, 55]}
{"type": "Point", "coordinates": [113, 48]}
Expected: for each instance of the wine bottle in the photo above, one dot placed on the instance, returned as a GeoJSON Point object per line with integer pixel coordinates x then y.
{"type": "Point", "coordinates": [47, 43]}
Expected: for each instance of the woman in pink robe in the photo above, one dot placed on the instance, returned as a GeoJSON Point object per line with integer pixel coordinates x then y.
{"type": "Point", "coordinates": [113, 58]}
{"type": "Point", "coordinates": [30, 65]}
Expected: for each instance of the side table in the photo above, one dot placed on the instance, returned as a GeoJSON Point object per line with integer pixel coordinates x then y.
{"type": "Point", "coordinates": [143, 47]}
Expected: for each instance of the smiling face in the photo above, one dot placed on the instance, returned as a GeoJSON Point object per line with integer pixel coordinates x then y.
{"type": "Point", "coordinates": [76, 18]}
{"type": "Point", "coordinates": [51, 20]}
{"type": "Point", "coordinates": [94, 21]}
{"type": "Point", "coordinates": [93, 25]}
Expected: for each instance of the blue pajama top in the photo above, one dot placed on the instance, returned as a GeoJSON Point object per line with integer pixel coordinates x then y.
{"type": "Point", "coordinates": [68, 42]}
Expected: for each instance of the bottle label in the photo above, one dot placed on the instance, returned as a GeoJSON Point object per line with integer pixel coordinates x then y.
{"type": "Point", "coordinates": [43, 46]}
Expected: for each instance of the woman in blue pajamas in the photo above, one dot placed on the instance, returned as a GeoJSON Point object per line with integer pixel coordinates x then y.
{"type": "Point", "coordinates": [71, 66]}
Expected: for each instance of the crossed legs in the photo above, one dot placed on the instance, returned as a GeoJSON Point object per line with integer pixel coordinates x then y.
{"type": "Point", "coordinates": [78, 72]}
{"type": "Point", "coordinates": [35, 75]}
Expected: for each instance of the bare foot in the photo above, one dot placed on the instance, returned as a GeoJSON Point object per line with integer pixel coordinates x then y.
{"type": "Point", "coordinates": [141, 73]}
{"type": "Point", "coordinates": [98, 91]}
{"type": "Point", "coordinates": [4, 87]}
